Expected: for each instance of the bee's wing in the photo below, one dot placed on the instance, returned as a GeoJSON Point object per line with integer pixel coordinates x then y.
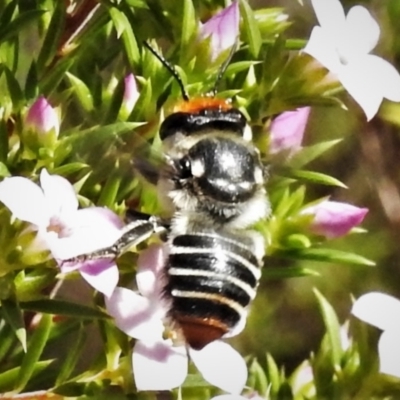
{"type": "Point", "coordinates": [128, 152]}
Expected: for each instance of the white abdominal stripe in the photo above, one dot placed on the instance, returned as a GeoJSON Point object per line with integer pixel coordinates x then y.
{"type": "Point", "coordinates": [211, 277]}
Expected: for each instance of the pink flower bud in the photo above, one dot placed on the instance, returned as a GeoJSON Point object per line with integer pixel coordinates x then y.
{"type": "Point", "coordinates": [131, 93]}
{"type": "Point", "coordinates": [223, 29]}
{"type": "Point", "coordinates": [333, 219]}
{"type": "Point", "coordinates": [42, 118]}
{"type": "Point", "coordinates": [287, 130]}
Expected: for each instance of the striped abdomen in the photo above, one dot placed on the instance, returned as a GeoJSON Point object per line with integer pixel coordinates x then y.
{"type": "Point", "coordinates": [211, 280]}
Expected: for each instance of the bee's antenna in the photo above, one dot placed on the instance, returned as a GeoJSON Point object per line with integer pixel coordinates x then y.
{"type": "Point", "coordinates": [223, 68]}
{"type": "Point", "coordinates": [170, 68]}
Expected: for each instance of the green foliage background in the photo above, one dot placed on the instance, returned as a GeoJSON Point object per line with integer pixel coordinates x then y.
{"type": "Point", "coordinates": [42, 52]}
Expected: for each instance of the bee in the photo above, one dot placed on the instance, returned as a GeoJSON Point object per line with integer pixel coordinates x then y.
{"type": "Point", "coordinates": [213, 186]}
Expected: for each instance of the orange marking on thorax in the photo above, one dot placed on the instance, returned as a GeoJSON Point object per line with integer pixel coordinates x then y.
{"type": "Point", "coordinates": [201, 103]}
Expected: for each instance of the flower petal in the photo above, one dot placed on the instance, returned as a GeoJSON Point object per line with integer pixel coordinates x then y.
{"type": "Point", "coordinates": [102, 275]}
{"type": "Point", "coordinates": [223, 29]}
{"type": "Point", "coordinates": [221, 365]}
{"type": "Point", "coordinates": [330, 15]}
{"type": "Point", "coordinates": [334, 219]}
{"type": "Point", "coordinates": [360, 33]}
{"type": "Point", "coordinates": [230, 397]}
{"type": "Point", "coordinates": [378, 309]}
{"type": "Point", "coordinates": [360, 82]}
{"type": "Point", "coordinates": [159, 366]}
{"type": "Point", "coordinates": [287, 130]}
{"type": "Point", "coordinates": [25, 200]}
{"type": "Point", "coordinates": [150, 264]}
{"type": "Point", "coordinates": [386, 76]}
{"type": "Point", "coordinates": [59, 193]}
{"type": "Point", "coordinates": [134, 315]}
{"type": "Point", "coordinates": [41, 117]}
{"type": "Point", "coordinates": [322, 48]}
{"type": "Point", "coordinates": [85, 231]}
{"type": "Point", "coordinates": [389, 353]}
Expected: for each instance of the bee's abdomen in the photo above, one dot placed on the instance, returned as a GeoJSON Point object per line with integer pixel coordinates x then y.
{"type": "Point", "coordinates": [211, 280]}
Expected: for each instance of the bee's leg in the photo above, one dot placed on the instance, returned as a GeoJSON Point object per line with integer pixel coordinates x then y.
{"type": "Point", "coordinates": [139, 228]}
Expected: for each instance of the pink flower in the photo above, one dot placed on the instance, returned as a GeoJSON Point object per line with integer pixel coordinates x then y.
{"type": "Point", "coordinates": [131, 93]}
{"type": "Point", "coordinates": [161, 363]}
{"type": "Point", "coordinates": [42, 118]}
{"type": "Point", "coordinates": [383, 311]}
{"type": "Point", "coordinates": [52, 209]}
{"type": "Point", "coordinates": [342, 44]}
{"type": "Point", "coordinates": [223, 29]}
{"type": "Point", "coordinates": [333, 219]}
{"type": "Point", "coordinates": [287, 130]}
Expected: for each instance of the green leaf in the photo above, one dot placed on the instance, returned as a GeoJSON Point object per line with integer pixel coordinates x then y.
{"type": "Point", "coordinates": [13, 28]}
{"type": "Point", "coordinates": [72, 357]}
{"type": "Point", "coordinates": [28, 285]}
{"type": "Point", "coordinates": [257, 378]}
{"type": "Point", "coordinates": [239, 66]}
{"type": "Point", "coordinates": [8, 340]}
{"type": "Point", "coordinates": [3, 146]}
{"type": "Point", "coordinates": [124, 29]}
{"type": "Point", "coordinates": [8, 12]}
{"type": "Point", "coordinates": [110, 190]}
{"type": "Point", "coordinates": [251, 28]}
{"type": "Point", "coordinates": [69, 169]}
{"type": "Point", "coordinates": [53, 35]}
{"type": "Point", "coordinates": [53, 77]}
{"type": "Point", "coordinates": [8, 379]}
{"type": "Point", "coordinates": [287, 272]}
{"type": "Point", "coordinates": [60, 307]}
{"type": "Point", "coordinates": [311, 177]}
{"type": "Point", "coordinates": [326, 255]}
{"type": "Point", "coordinates": [273, 374]}
{"type": "Point", "coordinates": [35, 347]}
{"type": "Point", "coordinates": [332, 328]}
{"type": "Point", "coordinates": [188, 24]}
{"type": "Point", "coordinates": [31, 83]}
{"type": "Point", "coordinates": [310, 153]}
{"type": "Point", "coordinates": [13, 315]}
{"type": "Point", "coordinates": [81, 91]}
{"type": "Point", "coordinates": [14, 89]}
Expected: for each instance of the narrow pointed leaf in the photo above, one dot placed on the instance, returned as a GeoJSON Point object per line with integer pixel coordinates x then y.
{"type": "Point", "coordinates": [8, 379]}
{"type": "Point", "coordinates": [14, 89]}
{"type": "Point", "coordinates": [124, 29]}
{"type": "Point", "coordinates": [22, 20]}
{"type": "Point", "coordinates": [332, 328]}
{"type": "Point", "coordinates": [13, 315]}
{"type": "Point", "coordinates": [72, 357]}
{"type": "Point", "coordinates": [188, 24]}
{"type": "Point", "coordinates": [81, 91]}
{"type": "Point", "coordinates": [251, 28]}
{"type": "Point", "coordinates": [60, 307]}
{"type": "Point", "coordinates": [53, 35]}
{"type": "Point", "coordinates": [326, 255]}
{"type": "Point", "coordinates": [312, 177]}
{"type": "Point", "coordinates": [35, 347]}
{"type": "Point", "coordinates": [310, 153]}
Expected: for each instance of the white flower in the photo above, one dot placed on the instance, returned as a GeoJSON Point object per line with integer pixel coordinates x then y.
{"type": "Point", "coordinates": [52, 209]}
{"type": "Point", "coordinates": [383, 311]}
{"type": "Point", "coordinates": [342, 44]}
{"type": "Point", "coordinates": [159, 363]}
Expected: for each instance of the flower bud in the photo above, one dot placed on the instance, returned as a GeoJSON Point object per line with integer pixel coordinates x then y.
{"type": "Point", "coordinates": [334, 219]}
{"type": "Point", "coordinates": [223, 28]}
{"type": "Point", "coordinates": [287, 130]}
{"type": "Point", "coordinates": [131, 93]}
{"type": "Point", "coordinates": [42, 118]}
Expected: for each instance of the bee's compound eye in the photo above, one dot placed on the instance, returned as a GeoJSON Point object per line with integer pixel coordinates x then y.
{"type": "Point", "coordinates": [184, 168]}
